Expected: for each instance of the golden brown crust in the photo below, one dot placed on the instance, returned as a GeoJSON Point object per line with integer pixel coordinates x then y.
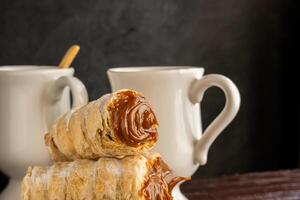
{"type": "Point", "coordinates": [105, 179]}
{"type": "Point", "coordinates": [132, 177]}
{"type": "Point", "coordinates": [88, 132]}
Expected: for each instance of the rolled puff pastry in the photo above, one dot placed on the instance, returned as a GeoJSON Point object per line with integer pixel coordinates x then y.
{"type": "Point", "coordinates": [128, 178]}
{"type": "Point", "coordinates": [118, 124]}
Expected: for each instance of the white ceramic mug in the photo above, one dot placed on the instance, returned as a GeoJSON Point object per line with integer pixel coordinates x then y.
{"type": "Point", "coordinates": [31, 98]}
{"type": "Point", "coordinates": [176, 93]}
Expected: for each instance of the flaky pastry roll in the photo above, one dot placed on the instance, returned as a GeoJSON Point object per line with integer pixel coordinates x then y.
{"type": "Point", "coordinates": [118, 124]}
{"type": "Point", "coordinates": [128, 178]}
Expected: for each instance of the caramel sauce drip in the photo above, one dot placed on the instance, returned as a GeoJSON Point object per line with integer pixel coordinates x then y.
{"type": "Point", "coordinates": [161, 181]}
{"type": "Point", "coordinates": [134, 121]}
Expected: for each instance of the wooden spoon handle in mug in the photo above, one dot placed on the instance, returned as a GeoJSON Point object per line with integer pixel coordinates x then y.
{"type": "Point", "coordinates": [69, 57]}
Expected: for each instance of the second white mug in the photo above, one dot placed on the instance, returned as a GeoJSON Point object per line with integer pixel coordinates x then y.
{"type": "Point", "coordinates": [176, 93]}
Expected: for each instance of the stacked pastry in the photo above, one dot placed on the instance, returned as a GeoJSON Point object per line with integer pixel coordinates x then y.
{"type": "Point", "coordinates": [101, 153]}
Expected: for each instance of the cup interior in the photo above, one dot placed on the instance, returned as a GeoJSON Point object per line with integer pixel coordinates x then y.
{"type": "Point", "coordinates": [154, 69]}
{"type": "Point", "coordinates": [23, 69]}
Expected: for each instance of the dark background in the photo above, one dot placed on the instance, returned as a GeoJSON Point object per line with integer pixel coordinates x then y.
{"type": "Point", "coordinates": [252, 42]}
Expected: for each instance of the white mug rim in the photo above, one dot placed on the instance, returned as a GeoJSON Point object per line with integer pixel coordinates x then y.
{"type": "Point", "coordinates": [155, 69]}
{"type": "Point", "coordinates": [25, 69]}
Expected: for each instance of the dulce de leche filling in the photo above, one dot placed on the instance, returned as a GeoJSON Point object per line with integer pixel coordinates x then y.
{"type": "Point", "coordinates": [134, 121]}
{"type": "Point", "coordinates": [161, 181]}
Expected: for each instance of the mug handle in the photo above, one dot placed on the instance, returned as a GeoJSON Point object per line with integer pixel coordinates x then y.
{"type": "Point", "coordinates": [78, 90]}
{"type": "Point", "coordinates": [229, 111]}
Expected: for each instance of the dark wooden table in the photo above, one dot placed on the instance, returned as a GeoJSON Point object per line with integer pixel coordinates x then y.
{"type": "Point", "coordinates": [279, 185]}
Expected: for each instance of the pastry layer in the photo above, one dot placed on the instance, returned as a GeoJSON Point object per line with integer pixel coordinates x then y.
{"type": "Point", "coordinates": [129, 178]}
{"type": "Point", "coordinates": [118, 124]}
